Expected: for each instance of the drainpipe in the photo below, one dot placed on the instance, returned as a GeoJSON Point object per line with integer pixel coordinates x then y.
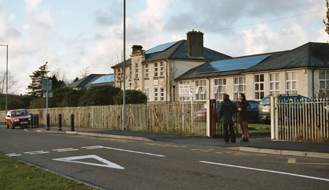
{"type": "Point", "coordinates": [209, 86]}
{"type": "Point", "coordinates": [313, 82]}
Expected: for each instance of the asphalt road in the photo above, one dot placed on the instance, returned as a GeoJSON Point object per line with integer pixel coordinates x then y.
{"type": "Point", "coordinates": [127, 164]}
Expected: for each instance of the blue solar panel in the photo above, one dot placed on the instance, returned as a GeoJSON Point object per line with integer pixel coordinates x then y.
{"type": "Point", "coordinates": [161, 47]}
{"type": "Point", "coordinates": [232, 64]}
{"type": "Point", "coordinates": [104, 79]}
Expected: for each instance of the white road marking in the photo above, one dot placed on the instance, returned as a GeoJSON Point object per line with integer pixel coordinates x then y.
{"type": "Point", "coordinates": [36, 152]}
{"type": "Point", "coordinates": [123, 150]}
{"type": "Point", "coordinates": [263, 170]}
{"type": "Point", "coordinates": [13, 154]}
{"type": "Point", "coordinates": [65, 149]}
{"type": "Point", "coordinates": [107, 163]}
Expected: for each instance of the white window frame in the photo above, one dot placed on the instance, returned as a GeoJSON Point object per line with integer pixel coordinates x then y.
{"type": "Point", "coordinates": [274, 83]}
{"type": "Point", "coordinates": [156, 69]}
{"type": "Point", "coordinates": [161, 68]}
{"type": "Point", "coordinates": [201, 90]}
{"type": "Point", "coordinates": [136, 70]}
{"type": "Point", "coordinates": [162, 94]}
{"type": "Point", "coordinates": [323, 90]}
{"type": "Point", "coordinates": [290, 82]}
{"type": "Point", "coordinates": [155, 94]}
{"type": "Point", "coordinates": [219, 88]}
{"type": "Point", "coordinates": [146, 70]}
{"type": "Point", "coordinates": [260, 92]}
{"type": "Point", "coordinates": [239, 82]}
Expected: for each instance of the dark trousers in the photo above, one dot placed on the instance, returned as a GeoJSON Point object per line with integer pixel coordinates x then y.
{"type": "Point", "coordinates": [226, 134]}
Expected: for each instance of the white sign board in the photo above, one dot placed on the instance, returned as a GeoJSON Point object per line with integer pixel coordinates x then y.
{"type": "Point", "coordinates": [155, 82]}
{"type": "Point", "coordinates": [185, 90]}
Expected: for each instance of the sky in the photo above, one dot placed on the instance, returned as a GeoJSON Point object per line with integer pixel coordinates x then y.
{"type": "Point", "coordinates": [72, 35]}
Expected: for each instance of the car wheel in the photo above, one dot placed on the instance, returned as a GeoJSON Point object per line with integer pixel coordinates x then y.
{"type": "Point", "coordinates": [13, 126]}
{"type": "Point", "coordinates": [7, 126]}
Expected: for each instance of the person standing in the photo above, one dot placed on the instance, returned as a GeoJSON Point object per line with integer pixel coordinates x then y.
{"type": "Point", "coordinates": [243, 117]}
{"type": "Point", "coordinates": [226, 111]}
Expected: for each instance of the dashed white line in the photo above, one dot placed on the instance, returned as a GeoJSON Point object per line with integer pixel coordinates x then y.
{"type": "Point", "coordinates": [65, 149]}
{"type": "Point", "coordinates": [122, 150]}
{"type": "Point", "coordinates": [36, 152]}
{"type": "Point", "coordinates": [263, 170]}
{"type": "Point", "coordinates": [13, 154]}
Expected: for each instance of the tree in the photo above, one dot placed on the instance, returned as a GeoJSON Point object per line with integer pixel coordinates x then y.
{"type": "Point", "coordinates": [56, 83]}
{"type": "Point", "coordinates": [12, 83]}
{"type": "Point", "coordinates": [35, 86]}
{"type": "Point", "coordinates": [132, 97]}
{"type": "Point", "coordinates": [84, 72]}
{"type": "Point", "coordinates": [72, 99]}
{"type": "Point", "coordinates": [326, 23]}
{"type": "Point", "coordinates": [76, 79]}
{"type": "Point", "coordinates": [99, 95]}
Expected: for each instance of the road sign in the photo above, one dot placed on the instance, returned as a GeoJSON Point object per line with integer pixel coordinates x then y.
{"type": "Point", "coordinates": [50, 94]}
{"type": "Point", "coordinates": [46, 85]}
{"type": "Point", "coordinates": [106, 164]}
{"type": "Point", "coordinates": [185, 90]}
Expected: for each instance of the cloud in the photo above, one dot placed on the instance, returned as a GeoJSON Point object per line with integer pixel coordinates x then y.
{"type": "Point", "coordinates": [32, 5]}
{"type": "Point", "coordinates": [110, 16]}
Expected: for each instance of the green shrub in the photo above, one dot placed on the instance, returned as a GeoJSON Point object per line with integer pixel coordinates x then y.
{"type": "Point", "coordinates": [99, 95]}
{"type": "Point", "coordinates": [72, 99]}
{"type": "Point", "coordinates": [132, 97]}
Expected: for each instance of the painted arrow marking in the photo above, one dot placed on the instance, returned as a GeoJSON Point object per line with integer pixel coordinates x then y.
{"type": "Point", "coordinates": [74, 159]}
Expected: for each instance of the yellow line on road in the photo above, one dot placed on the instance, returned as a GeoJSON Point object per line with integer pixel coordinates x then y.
{"type": "Point", "coordinates": [293, 161]}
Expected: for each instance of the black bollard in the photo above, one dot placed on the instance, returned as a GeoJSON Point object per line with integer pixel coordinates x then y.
{"type": "Point", "coordinates": [48, 126]}
{"type": "Point", "coordinates": [37, 121]}
{"type": "Point", "coordinates": [31, 120]}
{"type": "Point", "coordinates": [60, 122]}
{"type": "Point", "coordinates": [72, 122]}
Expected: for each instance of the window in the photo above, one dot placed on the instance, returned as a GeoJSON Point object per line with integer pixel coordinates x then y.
{"type": "Point", "coordinates": [155, 94]}
{"type": "Point", "coordinates": [219, 89]}
{"type": "Point", "coordinates": [259, 86]}
{"type": "Point", "coordinates": [184, 85]}
{"type": "Point", "coordinates": [161, 94]}
{"type": "Point", "coordinates": [155, 69]}
{"type": "Point", "coordinates": [324, 84]}
{"type": "Point", "coordinates": [239, 86]}
{"type": "Point", "coordinates": [136, 70]}
{"type": "Point", "coordinates": [161, 69]}
{"type": "Point", "coordinates": [130, 73]}
{"type": "Point", "coordinates": [146, 71]}
{"type": "Point", "coordinates": [291, 82]}
{"type": "Point", "coordinates": [200, 90]}
{"type": "Point", "coordinates": [274, 83]}
{"type": "Point", "coordinates": [147, 91]}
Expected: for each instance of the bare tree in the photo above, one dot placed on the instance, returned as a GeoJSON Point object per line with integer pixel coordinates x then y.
{"type": "Point", "coordinates": [84, 72]}
{"type": "Point", "coordinates": [167, 84]}
{"type": "Point", "coordinates": [12, 83]}
{"type": "Point", "coordinates": [326, 23]}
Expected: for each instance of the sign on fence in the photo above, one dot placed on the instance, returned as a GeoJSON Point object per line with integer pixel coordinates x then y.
{"type": "Point", "coordinates": [185, 90]}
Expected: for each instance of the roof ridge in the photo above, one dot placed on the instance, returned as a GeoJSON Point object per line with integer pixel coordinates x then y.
{"type": "Point", "coordinates": [180, 43]}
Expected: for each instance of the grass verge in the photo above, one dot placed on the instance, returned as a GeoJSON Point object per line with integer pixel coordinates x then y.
{"type": "Point", "coordinates": [18, 175]}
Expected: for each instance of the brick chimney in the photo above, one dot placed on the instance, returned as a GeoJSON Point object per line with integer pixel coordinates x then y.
{"type": "Point", "coordinates": [137, 49]}
{"type": "Point", "coordinates": [195, 44]}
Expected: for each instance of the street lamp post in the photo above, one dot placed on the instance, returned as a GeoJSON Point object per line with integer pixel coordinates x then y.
{"type": "Point", "coordinates": [6, 78]}
{"type": "Point", "coordinates": [124, 67]}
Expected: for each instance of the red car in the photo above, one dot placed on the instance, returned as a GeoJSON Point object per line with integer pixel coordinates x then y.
{"type": "Point", "coordinates": [17, 118]}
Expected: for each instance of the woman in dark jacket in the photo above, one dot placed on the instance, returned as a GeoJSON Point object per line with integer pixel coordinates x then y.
{"type": "Point", "coordinates": [226, 111]}
{"type": "Point", "coordinates": [243, 117]}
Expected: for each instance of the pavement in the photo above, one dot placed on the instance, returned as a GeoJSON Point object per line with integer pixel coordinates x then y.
{"type": "Point", "coordinates": [260, 144]}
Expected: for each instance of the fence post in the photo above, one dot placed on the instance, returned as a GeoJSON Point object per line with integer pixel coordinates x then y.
{"type": "Point", "coordinates": [276, 115]}
{"type": "Point", "coordinates": [208, 130]}
{"type": "Point", "coordinates": [272, 117]}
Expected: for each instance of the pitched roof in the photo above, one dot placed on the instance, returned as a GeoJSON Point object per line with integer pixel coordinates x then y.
{"type": "Point", "coordinates": [307, 55]}
{"type": "Point", "coordinates": [85, 81]}
{"type": "Point", "coordinates": [178, 51]}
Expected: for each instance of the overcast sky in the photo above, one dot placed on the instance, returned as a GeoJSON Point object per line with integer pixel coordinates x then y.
{"type": "Point", "coordinates": [74, 34]}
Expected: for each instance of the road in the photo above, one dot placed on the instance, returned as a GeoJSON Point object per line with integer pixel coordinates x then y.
{"type": "Point", "coordinates": [127, 164]}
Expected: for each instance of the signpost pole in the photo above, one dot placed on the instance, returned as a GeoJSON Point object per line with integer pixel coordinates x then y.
{"type": "Point", "coordinates": [47, 127]}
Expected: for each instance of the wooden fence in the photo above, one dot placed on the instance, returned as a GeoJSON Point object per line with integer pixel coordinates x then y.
{"type": "Point", "coordinates": [174, 117]}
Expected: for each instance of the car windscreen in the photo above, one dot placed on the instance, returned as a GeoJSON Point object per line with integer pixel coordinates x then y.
{"type": "Point", "coordinates": [253, 104]}
{"type": "Point", "coordinates": [20, 112]}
